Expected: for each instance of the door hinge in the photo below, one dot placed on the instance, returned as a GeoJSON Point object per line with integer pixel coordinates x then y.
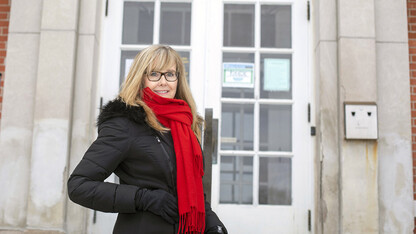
{"type": "Point", "coordinates": [308, 10]}
{"type": "Point", "coordinates": [309, 112]}
{"type": "Point", "coordinates": [94, 217]}
{"type": "Point", "coordinates": [309, 220]}
{"type": "Point", "coordinates": [101, 104]}
{"type": "Point", "coordinates": [313, 131]}
{"type": "Point", "coordinates": [106, 7]}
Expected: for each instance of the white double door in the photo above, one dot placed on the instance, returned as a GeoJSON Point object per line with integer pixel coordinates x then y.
{"type": "Point", "coordinates": [248, 60]}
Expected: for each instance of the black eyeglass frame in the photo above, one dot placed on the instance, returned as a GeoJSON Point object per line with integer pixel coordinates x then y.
{"type": "Point", "coordinates": [163, 74]}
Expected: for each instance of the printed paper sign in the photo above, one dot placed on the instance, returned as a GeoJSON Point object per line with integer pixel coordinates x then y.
{"type": "Point", "coordinates": [238, 75]}
{"type": "Point", "coordinates": [276, 74]}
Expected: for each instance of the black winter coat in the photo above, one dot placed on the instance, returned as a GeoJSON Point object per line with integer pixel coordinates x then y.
{"type": "Point", "coordinates": [141, 157]}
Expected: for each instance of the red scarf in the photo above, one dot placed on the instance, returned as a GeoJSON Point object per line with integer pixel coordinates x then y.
{"type": "Point", "coordinates": [176, 115]}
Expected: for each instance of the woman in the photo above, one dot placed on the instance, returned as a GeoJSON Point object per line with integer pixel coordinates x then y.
{"type": "Point", "coordinates": [148, 136]}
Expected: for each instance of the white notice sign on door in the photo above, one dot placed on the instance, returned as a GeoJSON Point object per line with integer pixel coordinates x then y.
{"type": "Point", "coordinates": [276, 74]}
{"type": "Point", "coordinates": [238, 75]}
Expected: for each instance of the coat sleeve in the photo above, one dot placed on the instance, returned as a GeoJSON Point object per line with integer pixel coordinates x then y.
{"type": "Point", "coordinates": [211, 218]}
{"type": "Point", "coordinates": [86, 184]}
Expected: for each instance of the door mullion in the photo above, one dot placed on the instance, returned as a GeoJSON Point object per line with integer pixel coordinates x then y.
{"type": "Point", "coordinates": [255, 179]}
{"type": "Point", "coordinates": [156, 23]}
{"type": "Point", "coordinates": [256, 104]}
{"type": "Point", "coordinates": [256, 139]}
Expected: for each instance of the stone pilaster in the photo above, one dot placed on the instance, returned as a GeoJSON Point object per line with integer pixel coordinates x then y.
{"type": "Point", "coordinates": [394, 148]}
{"type": "Point", "coordinates": [86, 102]}
{"type": "Point", "coordinates": [18, 111]}
{"type": "Point", "coordinates": [52, 115]}
{"type": "Point", "coordinates": [357, 83]}
{"type": "Point", "coordinates": [326, 161]}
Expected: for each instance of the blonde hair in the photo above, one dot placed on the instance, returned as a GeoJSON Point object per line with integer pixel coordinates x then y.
{"type": "Point", "coordinates": [157, 58]}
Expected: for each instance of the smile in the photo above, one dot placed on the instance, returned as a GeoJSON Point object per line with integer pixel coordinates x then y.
{"type": "Point", "coordinates": [160, 91]}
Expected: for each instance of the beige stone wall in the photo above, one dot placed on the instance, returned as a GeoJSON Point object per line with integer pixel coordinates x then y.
{"type": "Point", "coordinates": [362, 186]}
{"type": "Point", "coordinates": [85, 102]}
{"type": "Point", "coordinates": [357, 83]}
{"type": "Point", "coordinates": [394, 145]}
{"type": "Point", "coordinates": [49, 110]}
{"type": "Point", "coordinates": [17, 123]}
{"type": "Point", "coordinates": [327, 172]}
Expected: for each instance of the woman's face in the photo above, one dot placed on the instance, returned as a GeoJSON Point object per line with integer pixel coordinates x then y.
{"type": "Point", "coordinates": [164, 88]}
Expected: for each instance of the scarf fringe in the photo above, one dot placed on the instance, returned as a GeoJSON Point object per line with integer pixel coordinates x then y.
{"type": "Point", "coordinates": [192, 222]}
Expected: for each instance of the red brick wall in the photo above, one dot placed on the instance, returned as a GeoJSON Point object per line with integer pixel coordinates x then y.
{"type": "Point", "coordinates": [4, 31]}
{"type": "Point", "coordinates": [411, 17]}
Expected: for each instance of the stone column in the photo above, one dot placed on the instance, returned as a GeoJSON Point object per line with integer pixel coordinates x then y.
{"type": "Point", "coordinates": [394, 148]}
{"type": "Point", "coordinates": [326, 166]}
{"type": "Point", "coordinates": [86, 102]}
{"type": "Point", "coordinates": [357, 83]}
{"type": "Point", "coordinates": [52, 115]}
{"type": "Point", "coordinates": [18, 109]}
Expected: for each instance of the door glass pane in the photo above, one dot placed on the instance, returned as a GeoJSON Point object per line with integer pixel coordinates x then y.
{"type": "Point", "coordinates": [127, 58]}
{"type": "Point", "coordinates": [185, 59]}
{"type": "Point", "coordinates": [237, 126]}
{"type": "Point", "coordinates": [175, 23]}
{"type": "Point", "coordinates": [276, 26]}
{"type": "Point", "coordinates": [276, 76]}
{"type": "Point", "coordinates": [237, 92]}
{"type": "Point", "coordinates": [236, 177]}
{"type": "Point", "coordinates": [138, 23]}
{"type": "Point", "coordinates": [238, 25]}
{"type": "Point", "coordinates": [275, 181]}
{"type": "Point", "coordinates": [275, 127]}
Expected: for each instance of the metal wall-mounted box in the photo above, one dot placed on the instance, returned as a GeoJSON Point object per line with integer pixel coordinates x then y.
{"type": "Point", "coordinates": [361, 121]}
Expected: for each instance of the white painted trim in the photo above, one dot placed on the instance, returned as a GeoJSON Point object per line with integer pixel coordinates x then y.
{"type": "Point", "coordinates": [256, 130]}
{"type": "Point", "coordinates": [179, 1]}
{"type": "Point", "coordinates": [414, 208]}
{"type": "Point", "coordinates": [275, 51]}
{"type": "Point", "coordinates": [313, 103]}
{"type": "Point", "coordinates": [236, 100]}
{"type": "Point", "coordinates": [132, 47]}
{"type": "Point", "coordinates": [175, 1]}
{"type": "Point", "coordinates": [140, 47]}
{"type": "Point", "coordinates": [257, 25]}
{"type": "Point", "coordinates": [244, 2]}
{"type": "Point", "coordinates": [256, 175]}
{"type": "Point", "coordinates": [276, 101]}
{"type": "Point", "coordinates": [274, 2]}
{"type": "Point", "coordinates": [156, 22]}
{"type": "Point", "coordinates": [261, 50]}
{"type": "Point", "coordinates": [277, 2]}
{"type": "Point", "coordinates": [280, 154]}
{"type": "Point", "coordinates": [241, 153]}
{"type": "Point", "coordinates": [239, 49]}
{"type": "Point", "coordinates": [260, 101]}
{"type": "Point", "coordinates": [110, 53]}
{"type": "Point", "coordinates": [197, 69]}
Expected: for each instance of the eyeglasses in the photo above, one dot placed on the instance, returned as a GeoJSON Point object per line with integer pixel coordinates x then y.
{"type": "Point", "coordinates": [155, 76]}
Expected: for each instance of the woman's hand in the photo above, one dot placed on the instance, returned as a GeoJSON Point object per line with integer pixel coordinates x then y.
{"type": "Point", "coordinates": [159, 202]}
{"type": "Point", "coordinates": [216, 230]}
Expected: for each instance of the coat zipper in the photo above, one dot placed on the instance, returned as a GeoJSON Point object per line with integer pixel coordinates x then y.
{"type": "Point", "coordinates": [169, 162]}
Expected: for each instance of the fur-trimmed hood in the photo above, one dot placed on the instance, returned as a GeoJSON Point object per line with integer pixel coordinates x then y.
{"type": "Point", "coordinates": [118, 108]}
